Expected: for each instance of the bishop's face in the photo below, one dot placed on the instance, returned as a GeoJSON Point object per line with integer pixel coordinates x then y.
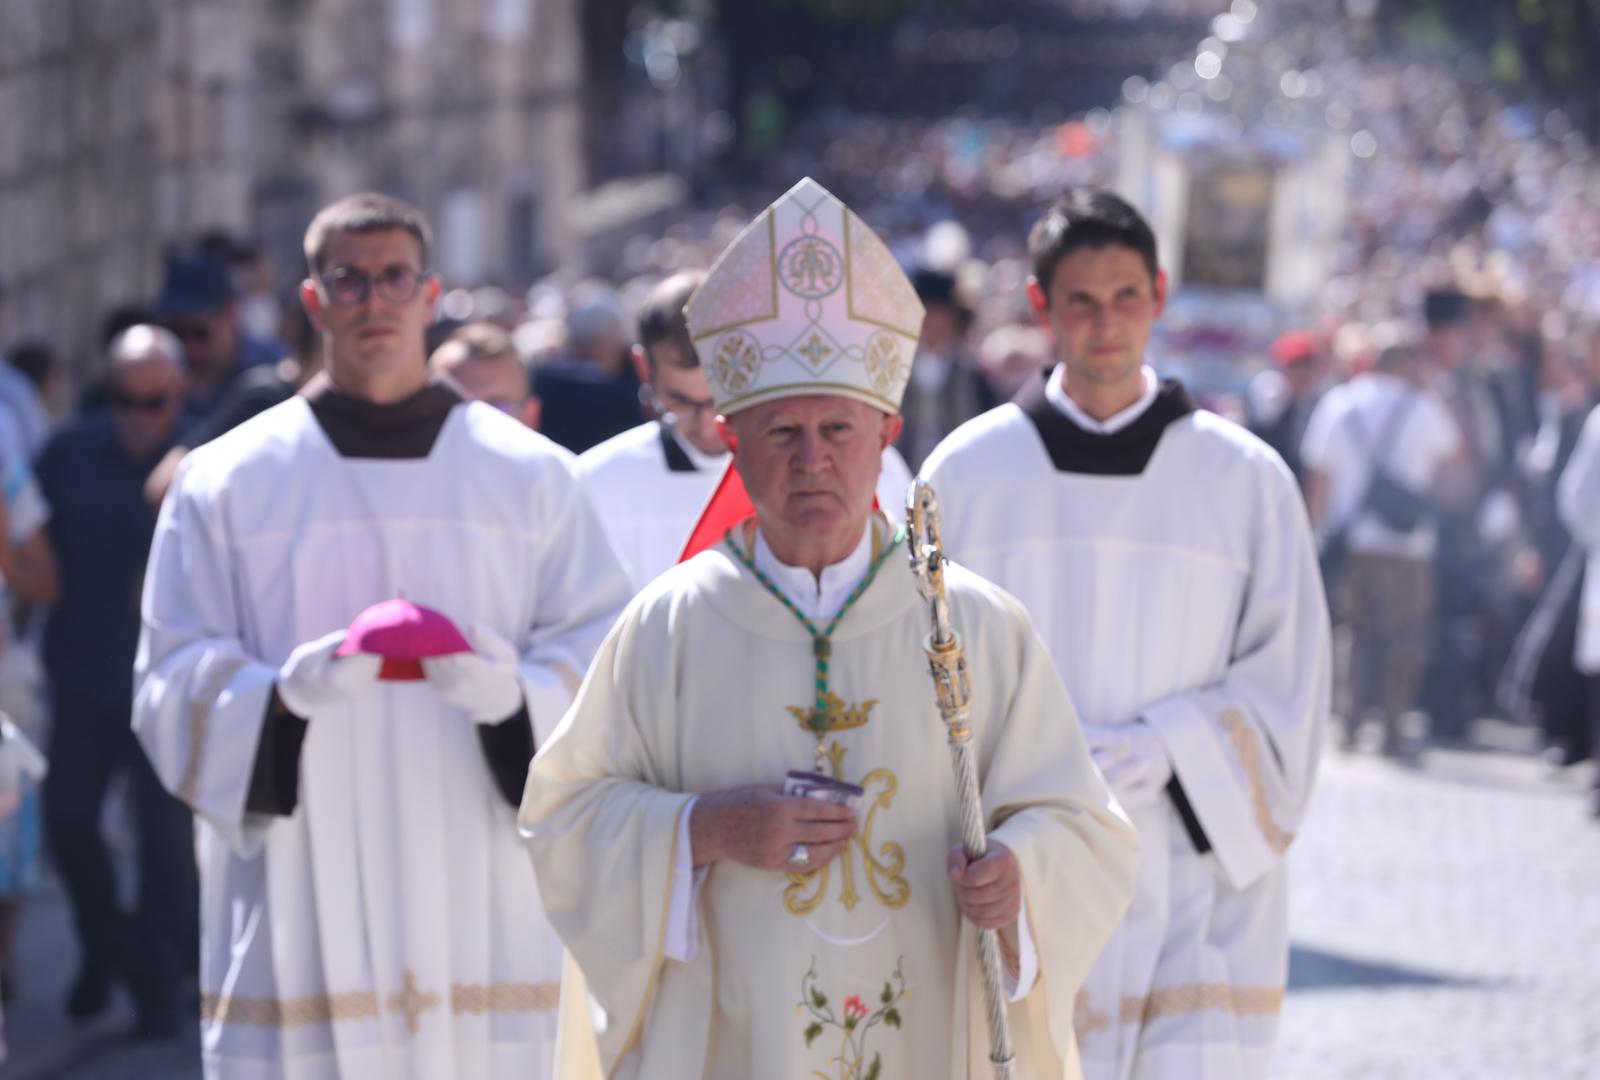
{"type": "Point", "coordinates": [1101, 304]}
{"type": "Point", "coordinates": [811, 467]}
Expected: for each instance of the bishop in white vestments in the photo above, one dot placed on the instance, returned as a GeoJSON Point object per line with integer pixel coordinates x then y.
{"type": "Point", "coordinates": [726, 924]}
{"type": "Point", "coordinates": [367, 910]}
{"type": "Point", "coordinates": [650, 483]}
{"type": "Point", "coordinates": [1165, 556]}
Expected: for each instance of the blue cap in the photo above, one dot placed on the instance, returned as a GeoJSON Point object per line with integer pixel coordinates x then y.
{"type": "Point", "coordinates": [196, 285]}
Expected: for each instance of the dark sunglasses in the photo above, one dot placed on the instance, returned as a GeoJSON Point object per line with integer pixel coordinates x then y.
{"type": "Point", "coordinates": [394, 285]}
{"type": "Point", "coordinates": [197, 332]}
{"type": "Point", "coordinates": [139, 402]}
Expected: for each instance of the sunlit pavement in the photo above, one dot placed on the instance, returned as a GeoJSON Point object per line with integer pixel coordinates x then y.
{"type": "Point", "coordinates": [1446, 921]}
{"type": "Point", "coordinates": [1445, 915]}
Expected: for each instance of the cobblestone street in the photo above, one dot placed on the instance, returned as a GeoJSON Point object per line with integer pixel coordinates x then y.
{"type": "Point", "coordinates": [1445, 925]}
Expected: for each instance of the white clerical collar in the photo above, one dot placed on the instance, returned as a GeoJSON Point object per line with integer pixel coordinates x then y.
{"type": "Point", "coordinates": [818, 599]}
{"type": "Point", "coordinates": [707, 463]}
{"type": "Point", "coordinates": [1055, 391]}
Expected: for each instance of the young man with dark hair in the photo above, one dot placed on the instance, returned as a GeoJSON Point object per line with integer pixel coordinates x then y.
{"type": "Point", "coordinates": [650, 483]}
{"type": "Point", "coordinates": [1165, 556]}
{"type": "Point", "coordinates": [354, 788]}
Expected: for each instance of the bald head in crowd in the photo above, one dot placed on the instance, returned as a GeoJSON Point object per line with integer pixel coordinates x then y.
{"type": "Point", "coordinates": [481, 359]}
{"type": "Point", "coordinates": [145, 392]}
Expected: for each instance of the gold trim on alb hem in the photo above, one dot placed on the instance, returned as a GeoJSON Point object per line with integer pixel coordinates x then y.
{"type": "Point", "coordinates": [409, 1003]}
{"type": "Point", "coordinates": [1179, 1001]}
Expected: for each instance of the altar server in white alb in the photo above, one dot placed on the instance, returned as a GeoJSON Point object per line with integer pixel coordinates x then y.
{"type": "Point", "coordinates": [1165, 556]}
{"type": "Point", "coordinates": [650, 483]}
{"type": "Point", "coordinates": [367, 910]}
{"type": "Point", "coordinates": [726, 929]}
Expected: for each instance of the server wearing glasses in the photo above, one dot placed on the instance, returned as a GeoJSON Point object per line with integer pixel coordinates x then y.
{"type": "Point", "coordinates": [368, 911]}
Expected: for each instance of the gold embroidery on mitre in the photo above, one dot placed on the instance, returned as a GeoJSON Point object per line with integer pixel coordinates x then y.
{"type": "Point", "coordinates": [885, 361]}
{"type": "Point", "coordinates": [1245, 745]}
{"type": "Point", "coordinates": [883, 865]}
{"type": "Point", "coordinates": [736, 361]}
{"type": "Point", "coordinates": [810, 285]}
{"type": "Point", "coordinates": [809, 266]}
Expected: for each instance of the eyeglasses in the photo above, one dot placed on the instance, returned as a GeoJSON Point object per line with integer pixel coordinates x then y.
{"type": "Point", "coordinates": [682, 409]}
{"type": "Point", "coordinates": [394, 285]}
{"type": "Point", "coordinates": [126, 402]}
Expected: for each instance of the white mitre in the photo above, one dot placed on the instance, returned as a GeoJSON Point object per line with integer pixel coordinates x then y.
{"type": "Point", "coordinates": [807, 300]}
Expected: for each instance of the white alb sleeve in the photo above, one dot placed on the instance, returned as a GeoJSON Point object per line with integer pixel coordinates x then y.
{"type": "Point", "coordinates": [1027, 962]}
{"type": "Point", "coordinates": [683, 915]}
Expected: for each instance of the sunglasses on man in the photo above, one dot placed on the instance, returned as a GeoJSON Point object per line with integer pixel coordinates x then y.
{"type": "Point", "coordinates": [190, 333]}
{"type": "Point", "coordinates": [348, 286]}
{"type": "Point", "coordinates": [123, 401]}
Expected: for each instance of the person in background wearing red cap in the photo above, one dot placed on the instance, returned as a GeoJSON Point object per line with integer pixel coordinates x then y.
{"type": "Point", "coordinates": [367, 910]}
{"type": "Point", "coordinates": [1165, 555]}
{"type": "Point", "coordinates": [702, 892]}
{"type": "Point", "coordinates": [1282, 397]}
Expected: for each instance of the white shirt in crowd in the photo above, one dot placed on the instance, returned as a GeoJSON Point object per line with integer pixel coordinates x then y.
{"type": "Point", "coordinates": [1342, 442]}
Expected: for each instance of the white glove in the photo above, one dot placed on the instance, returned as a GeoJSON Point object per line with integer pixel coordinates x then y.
{"type": "Point", "coordinates": [1132, 759]}
{"type": "Point", "coordinates": [312, 679]}
{"type": "Point", "coordinates": [484, 684]}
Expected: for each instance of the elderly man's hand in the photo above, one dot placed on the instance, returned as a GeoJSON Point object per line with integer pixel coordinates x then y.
{"type": "Point", "coordinates": [988, 890]}
{"type": "Point", "coordinates": [760, 826]}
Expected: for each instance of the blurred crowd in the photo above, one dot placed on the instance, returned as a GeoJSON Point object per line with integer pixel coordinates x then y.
{"type": "Point", "coordinates": [1430, 402]}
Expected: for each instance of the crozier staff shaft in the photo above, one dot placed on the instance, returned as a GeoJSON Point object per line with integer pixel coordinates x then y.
{"type": "Point", "coordinates": [948, 664]}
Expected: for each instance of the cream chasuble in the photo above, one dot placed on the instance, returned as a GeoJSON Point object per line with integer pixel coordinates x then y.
{"type": "Point", "coordinates": [1170, 568]}
{"type": "Point", "coordinates": [390, 927]}
{"type": "Point", "coordinates": [859, 968]}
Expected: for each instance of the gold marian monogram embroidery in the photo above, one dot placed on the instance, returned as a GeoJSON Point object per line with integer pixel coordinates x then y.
{"type": "Point", "coordinates": [882, 865]}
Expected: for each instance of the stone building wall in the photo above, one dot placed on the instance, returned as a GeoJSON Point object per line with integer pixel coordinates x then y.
{"type": "Point", "coordinates": [128, 125]}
